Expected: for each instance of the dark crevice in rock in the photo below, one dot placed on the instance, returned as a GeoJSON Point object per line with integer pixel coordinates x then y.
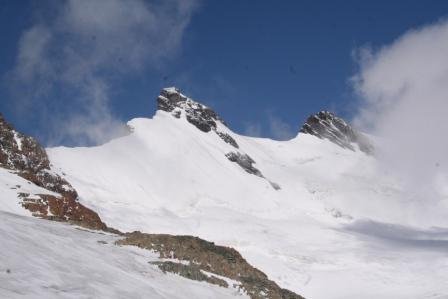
{"type": "Point", "coordinates": [206, 256]}
{"type": "Point", "coordinates": [326, 125]}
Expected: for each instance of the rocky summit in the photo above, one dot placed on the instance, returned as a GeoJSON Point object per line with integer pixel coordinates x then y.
{"type": "Point", "coordinates": [202, 117]}
{"type": "Point", "coordinates": [326, 125]}
{"type": "Point", "coordinates": [172, 100]}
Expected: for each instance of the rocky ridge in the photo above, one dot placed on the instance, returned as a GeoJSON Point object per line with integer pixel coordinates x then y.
{"type": "Point", "coordinates": [208, 262]}
{"type": "Point", "coordinates": [205, 119]}
{"type": "Point", "coordinates": [202, 117]}
{"type": "Point", "coordinates": [326, 125]}
{"type": "Point", "coordinates": [24, 156]}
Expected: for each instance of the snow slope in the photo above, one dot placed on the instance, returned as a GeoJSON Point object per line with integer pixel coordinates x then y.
{"type": "Point", "coordinates": [11, 185]}
{"type": "Point", "coordinates": [337, 228]}
{"type": "Point", "coordinates": [43, 259]}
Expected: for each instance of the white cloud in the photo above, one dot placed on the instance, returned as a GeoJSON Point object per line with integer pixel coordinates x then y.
{"type": "Point", "coordinates": [404, 89]}
{"type": "Point", "coordinates": [88, 44]}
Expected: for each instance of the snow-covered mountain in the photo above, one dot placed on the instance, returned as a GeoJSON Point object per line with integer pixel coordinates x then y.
{"type": "Point", "coordinates": [30, 187]}
{"type": "Point", "coordinates": [314, 213]}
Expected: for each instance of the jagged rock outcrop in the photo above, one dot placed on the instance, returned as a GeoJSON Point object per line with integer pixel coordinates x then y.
{"type": "Point", "coordinates": [62, 208]}
{"type": "Point", "coordinates": [28, 159]}
{"type": "Point", "coordinates": [202, 117]}
{"type": "Point", "coordinates": [190, 271]}
{"type": "Point", "coordinates": [245, 162]}
{"type": "Point", "coordinates": [208, 262]}
{"type": "Point", "coordinates": [25, 155]}
{"type": "Point", "coordinates": [326, 125]}
{"type": "Point", "coordinates": [228, 139]}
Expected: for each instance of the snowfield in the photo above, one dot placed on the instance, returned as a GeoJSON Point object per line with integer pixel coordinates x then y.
{"type": "Point", "coordinates": [337, 228]}
{"type": "Point", "coordinates": [43, 259]}
{"type": "Point", "coordinates": [11, 185]}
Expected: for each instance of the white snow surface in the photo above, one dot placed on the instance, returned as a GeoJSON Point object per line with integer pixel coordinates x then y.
{"type": "Point", "coordinates": [337, 228]}
{"type": "Point", "coordinates": [44, 259]}
{"type": "Point", "coordinates": [11, 185]}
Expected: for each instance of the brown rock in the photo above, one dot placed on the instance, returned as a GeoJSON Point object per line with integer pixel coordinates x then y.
{"type": "Point", "coordinates": [206, 256]}
{"type": "Point", "coordinates": [25, 156]}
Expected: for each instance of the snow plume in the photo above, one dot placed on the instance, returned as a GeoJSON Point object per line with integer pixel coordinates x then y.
{"type": "Point", "coordinates": [404, 92]}
{"type": "Point", "coordinates": [273, 126]}
{"type": "Point", "coordinates": [279, 129]}
{"type": "Point", "coordinates": [78, 49]}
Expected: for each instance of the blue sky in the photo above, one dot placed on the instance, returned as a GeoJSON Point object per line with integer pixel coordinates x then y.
{"type": "Point", "coordinates": [264, 66]}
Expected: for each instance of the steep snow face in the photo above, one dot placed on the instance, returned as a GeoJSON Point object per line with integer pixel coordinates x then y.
{"type": "Point", "coordinates": [42, 259]}
{"type": "Point", "coordinates": [295, 209]}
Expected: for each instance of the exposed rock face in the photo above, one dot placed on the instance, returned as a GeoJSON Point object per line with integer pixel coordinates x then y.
{"type": "Point", "coordinates": [23, 155]}
{"type": "Point", "coordinates": [326, 125]}
{"type": "Point", "coordinates": [190, 271]}
{"type": "Point", "coordinates": [202, 117]}
{"type": "Point", "coordinates": [172, 100]}
{"type": "Point", "coordinates": [62, 209]}
{"type": "Point", "coordinates": [245, 162]}
{"type": "Point", "coordinates": [206, 257]}
{"type": "Point", "coordinates": [228, 139]}
{"type": "Point", "coordinates": [205, 119]}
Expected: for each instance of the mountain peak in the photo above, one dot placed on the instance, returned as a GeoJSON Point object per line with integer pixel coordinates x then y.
{"type": "Point", "coordinates": [172, 100]}
{"type": "Point", "coordinates": [326, 125]}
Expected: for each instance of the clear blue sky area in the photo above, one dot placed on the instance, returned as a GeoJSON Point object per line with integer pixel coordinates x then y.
{"type": "Point", "coordinates": [250, 60]}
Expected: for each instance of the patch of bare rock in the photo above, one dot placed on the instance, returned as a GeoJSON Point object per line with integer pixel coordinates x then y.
{"type": "Point", "coordinates": [204, 261]}
{"type": "Point", "coordinates": [24, 156]}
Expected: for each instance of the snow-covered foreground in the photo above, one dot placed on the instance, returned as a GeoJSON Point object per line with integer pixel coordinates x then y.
{"type": "Point", "coordinates": [11, 185]}
{"type": "Point", "coordinates": [322, 235]}
{"type": "Point", "coordinates": [43, 259]}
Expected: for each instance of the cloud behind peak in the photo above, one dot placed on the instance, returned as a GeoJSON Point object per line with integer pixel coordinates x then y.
{"type": "Point", "coordinates": [72, 58]}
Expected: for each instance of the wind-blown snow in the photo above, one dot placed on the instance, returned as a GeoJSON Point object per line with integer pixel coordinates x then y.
{"type": "Point", "coordinates": [312, 236]}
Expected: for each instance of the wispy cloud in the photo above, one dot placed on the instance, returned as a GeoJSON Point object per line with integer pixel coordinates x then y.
{"type": "Point", "coordinates": [86, 45]}
{"type": "Point", "coordinates": [273, 127]}
{"type": "Point", "coordinates": [404, 91]}
{"type": "Point", "coordinates": [252, 129]}
{"type": "Point", "coordinates": [279, 129]}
